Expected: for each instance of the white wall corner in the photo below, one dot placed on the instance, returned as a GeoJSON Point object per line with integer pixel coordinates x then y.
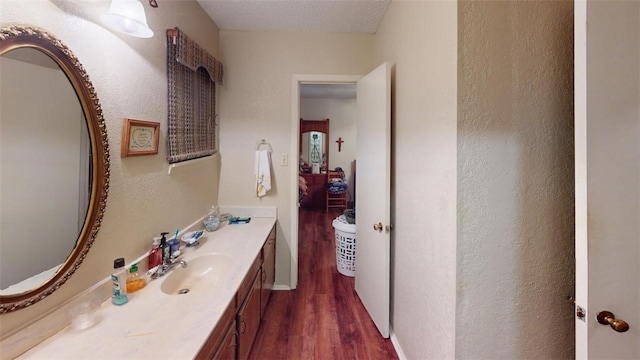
{"type": "Point", "coordinates": [396, 344]}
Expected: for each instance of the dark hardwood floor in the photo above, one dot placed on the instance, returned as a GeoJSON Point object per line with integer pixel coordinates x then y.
{"type": "Point", "coordinates": [323, 318]}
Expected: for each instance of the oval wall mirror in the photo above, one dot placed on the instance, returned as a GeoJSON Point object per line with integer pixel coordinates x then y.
{"type": "Point", "coordinates": [54, 174]}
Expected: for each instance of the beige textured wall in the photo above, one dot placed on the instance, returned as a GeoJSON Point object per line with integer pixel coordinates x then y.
{"type": "Point", "coordinates": [515, 180]}
{"type": "Point", "coordinates": [420, 38]}
{"type": "Point", "coordinates": [129, 75]}
{"type": "Point", "coordinates": [257, 105]}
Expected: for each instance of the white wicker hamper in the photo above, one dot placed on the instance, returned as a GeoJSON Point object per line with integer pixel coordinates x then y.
{"type": "Point", "coordinates": [345, 246]}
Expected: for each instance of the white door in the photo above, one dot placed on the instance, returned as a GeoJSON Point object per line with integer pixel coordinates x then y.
{"type": "Point", "coordinates": [373, 148]}
{"type": "Point", "coordinates": [607, 144]}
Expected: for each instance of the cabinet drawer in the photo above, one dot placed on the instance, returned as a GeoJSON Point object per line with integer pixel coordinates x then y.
{"type": "Point", "coordinates": [227, 349]}
{"type": "Point", "coordinates": [248, 321]}
{"type": "Point", "coordinates": [272, 235]}
{"type": "Point", "coordinates": [247, 283]}
{"type": "Point", "coordinates": [269, 246]}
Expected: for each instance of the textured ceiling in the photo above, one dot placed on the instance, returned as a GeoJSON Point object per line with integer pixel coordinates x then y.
{"type": "Point", "coordinates": [336, 91]}
{"type": "Point", "coordinates": [357, 16]}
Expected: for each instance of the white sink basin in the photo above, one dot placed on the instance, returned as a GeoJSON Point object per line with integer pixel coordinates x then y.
{"type": "Point", "coordinates": [203, 271]}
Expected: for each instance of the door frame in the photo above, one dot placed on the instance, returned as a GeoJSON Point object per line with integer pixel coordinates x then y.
{"type": "Point", "coordinates": [297, 80]}
{"type": "Point", "coordinates": [580, 175]}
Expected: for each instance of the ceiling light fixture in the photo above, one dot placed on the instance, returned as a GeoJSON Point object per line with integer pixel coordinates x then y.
{"type": "Point", "coordinates": [128, 17]}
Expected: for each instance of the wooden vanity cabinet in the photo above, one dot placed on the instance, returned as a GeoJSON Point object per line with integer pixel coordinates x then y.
{"type": "Point", "coordinates": [223, 334]}
{"type": "Point", "coordinates": [268, 269]}
{"type": "Point", "coordinates": [233, 337]}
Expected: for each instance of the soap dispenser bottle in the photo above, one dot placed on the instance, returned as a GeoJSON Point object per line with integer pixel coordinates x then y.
{"type": "Point", "coordinates": [165, 249]}
{"type": "Point", "coordinates": [155, 255]}
{"type": "Point", "coordinates": [134, 281]}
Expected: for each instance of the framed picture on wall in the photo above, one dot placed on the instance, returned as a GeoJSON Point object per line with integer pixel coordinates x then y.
{"type": "Point", "coordinates": [139, 137]}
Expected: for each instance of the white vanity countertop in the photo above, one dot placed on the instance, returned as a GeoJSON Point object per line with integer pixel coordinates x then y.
{"type": "Point", "coordinates": [156, 325]}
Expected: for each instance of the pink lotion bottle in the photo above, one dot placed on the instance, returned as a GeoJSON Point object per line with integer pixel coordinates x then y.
{"type": "Point", "coordinates": [155, 255]}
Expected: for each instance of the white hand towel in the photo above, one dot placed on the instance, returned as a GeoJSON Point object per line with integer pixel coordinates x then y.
{"type": "Point", "coordinates": [262, 171]}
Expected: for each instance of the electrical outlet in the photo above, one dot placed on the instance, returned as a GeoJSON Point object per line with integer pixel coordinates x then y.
{"type": "Point", "coordinates": [284, 159]}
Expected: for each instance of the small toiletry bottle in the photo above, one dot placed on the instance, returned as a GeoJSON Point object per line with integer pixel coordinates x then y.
{"type": "Point", "coordinates": [155, 255]}
{"type": "Point", "coordinates": [134, 282]}
{"type": "Point", "coordinates": [165, 249]}
{"type": "Point", "coordinates": [119, 278]}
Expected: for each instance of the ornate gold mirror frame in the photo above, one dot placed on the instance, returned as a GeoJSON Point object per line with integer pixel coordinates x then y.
{"type": "Point", "coordinates": [15, 37]}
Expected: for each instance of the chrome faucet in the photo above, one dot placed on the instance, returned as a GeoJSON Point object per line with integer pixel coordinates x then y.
{"type": "Point", "coordinates": [169, 265]}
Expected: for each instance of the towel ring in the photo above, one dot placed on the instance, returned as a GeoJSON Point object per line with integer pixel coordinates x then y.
{"type": "Point", "coordinates": [265, 143]}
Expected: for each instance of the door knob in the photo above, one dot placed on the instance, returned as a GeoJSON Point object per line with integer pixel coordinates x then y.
{"type": "Point", "coordinates": [377, 227]}
{"type": "Point", "coordinates": [607, 318]}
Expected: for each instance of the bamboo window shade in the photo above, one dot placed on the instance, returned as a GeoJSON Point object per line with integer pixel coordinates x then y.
{"type": "Point", "coordinates": [192, 75]}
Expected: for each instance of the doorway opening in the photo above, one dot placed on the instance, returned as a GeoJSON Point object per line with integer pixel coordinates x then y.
{"type": "Point", "coordinates": [311, 86]}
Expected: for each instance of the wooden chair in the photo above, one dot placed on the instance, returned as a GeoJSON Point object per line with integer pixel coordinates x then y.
{"type": "Point", "coordinates": [336, 200]}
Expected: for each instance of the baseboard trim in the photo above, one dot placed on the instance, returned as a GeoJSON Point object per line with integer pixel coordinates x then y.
{"type": "Point", "coordinates": [281, 288]}
{"type": "Point", "coordinates": [396, 345]}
